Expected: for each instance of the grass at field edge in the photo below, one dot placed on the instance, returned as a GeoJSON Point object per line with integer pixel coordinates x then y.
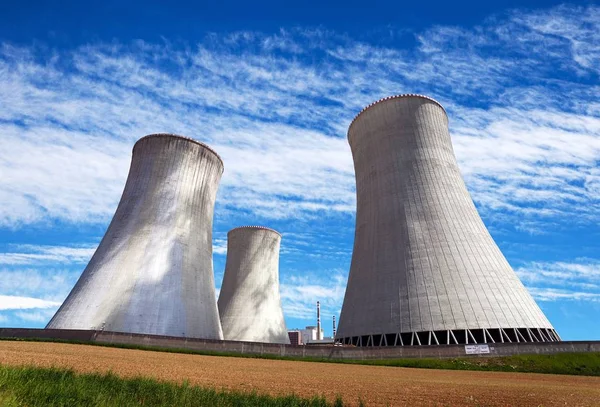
{"type": "Point", "coordinates": [582, 364]}
{"type": "Point", "coordinates": [33, 386]}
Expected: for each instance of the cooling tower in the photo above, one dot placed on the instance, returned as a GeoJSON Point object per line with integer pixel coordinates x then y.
{"type": "Point", "coordinates": [249, 301]}
{"type": "Point", "coordinates": [424, 269]}
{"type": "Point", "coordinates": [152, 272]}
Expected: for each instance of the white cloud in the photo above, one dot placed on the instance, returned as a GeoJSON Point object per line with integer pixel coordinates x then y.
{"type": "Point", "coordinates": [49, 283]}
{"type": "Point", "coordinates": [57, 173]}
{"type": "Point", "coordinates": [36, 279]}
{"type": "Point", "coordinates": [220, 246]}
{"type": "Point", "coordinates": [40, 316]}
{"type": "Point", "coordinates": [524, 133]}
{"type": "Point", "coordinates": [299, 295]}
{"type": "Point", "coordinates": [35, 254]}
{"type": "Point", "coordinates": [555, 294]}
{"type": "Point", "coordinates": [9, 302]}
{"type": "Point", "coordinates": [562, 281]}
{"type": "Point", "coordinates": [581, 35]}
{"type": "Point", "coordinates": [559, 273]}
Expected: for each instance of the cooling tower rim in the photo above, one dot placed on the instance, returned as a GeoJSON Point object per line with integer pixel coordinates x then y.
{"type": "Point", "coordinates": [191, 140]}
{"type": "Point", "coordinates": [400, 96]}
{"type": "Point", "coordinates": [255, 228]}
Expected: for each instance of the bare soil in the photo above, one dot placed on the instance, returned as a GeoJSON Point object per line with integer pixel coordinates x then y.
{"type": "Point", "coordinates": [374, 385]}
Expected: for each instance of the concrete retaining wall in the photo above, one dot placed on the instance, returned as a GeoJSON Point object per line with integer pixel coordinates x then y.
{"type": "Point", "coordinates": [328, 352]}
{"type": "Point", "coordinates": [62, 334]}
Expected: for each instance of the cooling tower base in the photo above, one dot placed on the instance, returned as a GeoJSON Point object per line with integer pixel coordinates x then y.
{"type": "Point", "coordinates": [455, 337]}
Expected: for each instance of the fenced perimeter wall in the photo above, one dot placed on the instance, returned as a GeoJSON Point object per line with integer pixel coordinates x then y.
{"type": "Point", "coordinates": [325, 352]}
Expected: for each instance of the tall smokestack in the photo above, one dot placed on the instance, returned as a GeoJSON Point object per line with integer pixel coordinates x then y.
{"type": "Point", "coordinates": [319, 337]}
{"type": "Point", "coordinates": [334, 328]}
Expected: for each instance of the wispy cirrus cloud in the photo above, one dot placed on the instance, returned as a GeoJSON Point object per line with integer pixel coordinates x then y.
{"type": "Point", "coordinates": [11, 302]}
{"type": "Point", "coordinates": [220, 246]}
{"type": "Point", "coordinates": [36, 254]}
{"type": "Point", "coordinates": [37, 278]}
{"type": "Point", "coordinates": [276, 107]}
{"type": "Point", "coordinates": [557, 294]}
{"type": "Point", "coordinates": [562, 281]}
{"type": "Point", "coordinates": [32, 289]}
{"type": "Point", "coordinates": [53, 282]}
{"type": "Point", "coordinates": [561, 31]}
{"type": "Point", "coordinates": [37, 316]}
{"type": "Point", "coordinates": [587, 270]}
{"type": "Point", "coordinates": [299, 294]}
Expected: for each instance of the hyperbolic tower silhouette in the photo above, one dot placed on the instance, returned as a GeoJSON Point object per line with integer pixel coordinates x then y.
{"type": "Point", "coordinates": [152, 272]}
{"type": "Point", "coordinates": [425, 269]}
{"type": "Point", "coordinates": [249, 301]}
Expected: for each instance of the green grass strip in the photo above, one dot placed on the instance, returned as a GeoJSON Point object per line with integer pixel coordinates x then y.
{"type": "Point", "coordinates": [583, 363]}
{"type": "Point", "coordinates": [31, 387]}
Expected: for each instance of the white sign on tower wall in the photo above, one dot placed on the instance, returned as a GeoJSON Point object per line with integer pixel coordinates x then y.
{"type": "Point", "coordinates": [476, 349]}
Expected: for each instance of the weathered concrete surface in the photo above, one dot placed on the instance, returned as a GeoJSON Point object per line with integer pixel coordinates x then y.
{"type": "Point", "coordinates": [249, 300]}
{"type": "Point", "coordinates": [152, 272]}
{"type": "Point", "coordinates": [331, 352]}
{"type": "Point", "coordinates": [423, 259]}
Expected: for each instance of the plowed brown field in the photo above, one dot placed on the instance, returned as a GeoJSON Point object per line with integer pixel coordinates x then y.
{"type": "Point", "coordinates": [375, 385]}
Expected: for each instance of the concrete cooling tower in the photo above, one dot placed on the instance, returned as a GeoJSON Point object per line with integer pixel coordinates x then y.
{"type": "Point", "coordinates": [249, 301]}
{"type": "Point", "coordinates": [424, 269]}
{"type": "Point", "coordinates": [152, 272]}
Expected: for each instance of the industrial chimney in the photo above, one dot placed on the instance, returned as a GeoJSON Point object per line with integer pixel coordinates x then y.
{"type": "Point", "coordinates": [319, 336]}
{"type": "Point", "coordinates": [424, 269]}
{"type": "Point", "coordinates": [249, 301]}
{"type": "Point", "coordinates": [334, 328]}
{"type": "Point", "coordinates": [152, 272]}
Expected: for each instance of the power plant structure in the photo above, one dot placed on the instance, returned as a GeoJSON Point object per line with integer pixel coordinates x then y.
{"type": "Point", "coordinates": [425, 269]}
{"type": "Point", "coordinates": [153, 271]}
{"type": "Point", "coordinates": [249, 301]}
{"type": "Point", "coordinates": [334, 330]}
{"type": "Point", "coordinates": [319, 331]}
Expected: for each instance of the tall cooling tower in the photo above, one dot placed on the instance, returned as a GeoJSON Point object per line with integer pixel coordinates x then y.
{"type": "Point", "coordinates": [153, 270]}
{"type": "Point", "coordinates": [425, 269]}
{"type": "Point", "coordinates": [249, 301]}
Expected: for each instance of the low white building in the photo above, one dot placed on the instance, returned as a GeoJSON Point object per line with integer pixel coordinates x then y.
{"type": "Point", "coordinates": [309, 334]}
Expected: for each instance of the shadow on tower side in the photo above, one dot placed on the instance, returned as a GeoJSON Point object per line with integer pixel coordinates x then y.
{"type": "Point", "coordinates": [249, 301]}
{"type": "Point", "coordinates": [425, 269]}
{"type": "Point", "coordinates": [153, 270]}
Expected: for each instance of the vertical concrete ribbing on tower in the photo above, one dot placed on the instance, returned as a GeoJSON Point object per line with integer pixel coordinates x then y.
{"type": "Point", "coordinates": [423, 260]}
{"type": "Point", "coordinates": [249, 300]}
{"type": "Point", "coordinates": [152, 272]}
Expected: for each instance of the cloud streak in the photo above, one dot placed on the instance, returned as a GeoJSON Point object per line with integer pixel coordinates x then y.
{"type": "Point", "coordinates": [299, 295]}
{"type": "Point", "coordinates": [525, 135]}
{"type": "Point", "coordinates": [562, 281]}
{"type": "Point", "coordinates": [35, 254]}
{"type": "Point", "coordinates": [11, 302]}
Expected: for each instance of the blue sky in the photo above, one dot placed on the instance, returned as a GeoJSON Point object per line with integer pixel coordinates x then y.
{"type": "Point", "coordinates": [273, 89]}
